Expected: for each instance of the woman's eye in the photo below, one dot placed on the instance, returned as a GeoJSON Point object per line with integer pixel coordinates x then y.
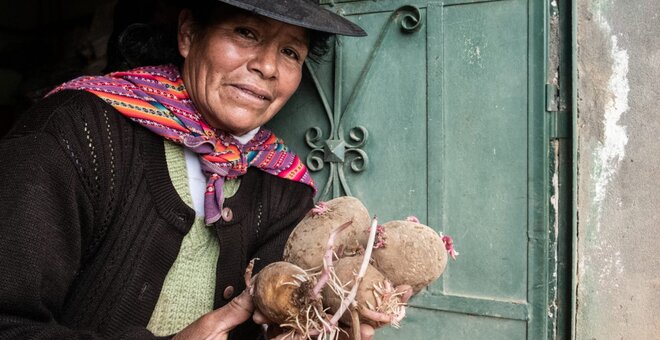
{"type": "Point", "coordinates": [246, 33]}
{"type": "Point", "coordinates": [291, 53]}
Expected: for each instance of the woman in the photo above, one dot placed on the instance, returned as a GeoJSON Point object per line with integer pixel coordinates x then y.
{"type": "Point", "coordinates": [133, 202]}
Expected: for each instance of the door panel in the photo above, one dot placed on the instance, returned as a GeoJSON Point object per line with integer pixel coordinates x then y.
{"type": "Point", "coordinates": [485, 146]}
{"type": "Point", "coordinates": [439, 113]}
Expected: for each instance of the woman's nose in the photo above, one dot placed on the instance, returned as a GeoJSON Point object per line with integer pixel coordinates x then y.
{"type": "Point", "coordinates": [264, 62]}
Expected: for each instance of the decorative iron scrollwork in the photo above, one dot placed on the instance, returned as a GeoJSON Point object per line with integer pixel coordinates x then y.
{"type": "Point", "coordinates": [360, 161]}
{"type": "Point", "coordinates": [411, 18]}
{"type": "Point", "coordinates": [336, 150]}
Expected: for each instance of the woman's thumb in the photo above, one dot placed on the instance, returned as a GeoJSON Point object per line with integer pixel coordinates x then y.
{"type": "Point", "coordinates": [237, 311]}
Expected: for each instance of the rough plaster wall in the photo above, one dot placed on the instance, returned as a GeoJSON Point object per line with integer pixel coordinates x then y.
{"type": "Point", "coordinates": [618, 292]}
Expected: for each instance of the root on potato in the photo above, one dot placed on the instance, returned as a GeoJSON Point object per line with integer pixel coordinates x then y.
{"type": "Point", "coordinates": [377, 301]}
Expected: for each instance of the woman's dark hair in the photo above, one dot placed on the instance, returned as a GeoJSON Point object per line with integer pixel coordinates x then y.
{"type": "Point", "coordinates": [145, 32]}
{"type": "Point", "coordinates": [319, 45]}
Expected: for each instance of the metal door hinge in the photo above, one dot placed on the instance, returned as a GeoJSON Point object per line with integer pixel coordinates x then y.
{"type": "Point", "coordinates": [559, 120]}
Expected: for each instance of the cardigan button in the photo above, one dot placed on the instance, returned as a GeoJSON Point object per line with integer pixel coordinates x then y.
{"type": "Point", "coordinates": [228, 293]}
{"type": "Point", "coordinates": [227, 214]}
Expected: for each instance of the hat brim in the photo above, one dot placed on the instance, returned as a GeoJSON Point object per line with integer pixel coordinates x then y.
{"type": "Point", "coordinates": [303, 13]}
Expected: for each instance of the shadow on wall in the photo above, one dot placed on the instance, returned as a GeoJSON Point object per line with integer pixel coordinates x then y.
{"type": "Point", "coordinates": [44, 43]}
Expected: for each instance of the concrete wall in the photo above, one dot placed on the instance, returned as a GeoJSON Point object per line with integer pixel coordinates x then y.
{"type": "Point", "coordinates": [618, 248]}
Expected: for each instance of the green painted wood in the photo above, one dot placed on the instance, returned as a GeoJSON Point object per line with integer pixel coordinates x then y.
{"type": "Point", "coordinates": [485, 94]}
{"type": "Point", "coordinates": [438, 325]}
{"type": "Point", "coordinates": [473, 306]}
{"type": "Point", "coordinates": [538, 175]}
{"type": "Point", "coordinates": [440, 113]}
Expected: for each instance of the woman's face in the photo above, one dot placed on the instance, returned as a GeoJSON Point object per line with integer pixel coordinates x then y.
{"type": "Point", "coordinates": [240, 71]}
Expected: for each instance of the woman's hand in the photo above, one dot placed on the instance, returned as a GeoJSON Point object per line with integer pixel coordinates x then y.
{"type": "Point", "coordinates": [218, 323]}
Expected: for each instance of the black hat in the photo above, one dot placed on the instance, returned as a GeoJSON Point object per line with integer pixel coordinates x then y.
{"type": "Point", "coordinates": [303, 13]}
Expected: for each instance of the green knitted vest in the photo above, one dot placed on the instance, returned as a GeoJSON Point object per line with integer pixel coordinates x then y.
{"type": "Point", "coordinates": [189, 286]}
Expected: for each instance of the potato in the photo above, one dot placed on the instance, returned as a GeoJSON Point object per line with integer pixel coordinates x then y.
{"type": "Point", "coordinates": [281, 291]}
{"type": "Point", "coordinates": [413, 254]}
{"type": "Point", "coordinates": [375, 295]}
{"type": "Point", "coordinates": [307, 243]}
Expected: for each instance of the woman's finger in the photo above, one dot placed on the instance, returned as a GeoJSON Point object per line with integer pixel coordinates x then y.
{"type": "Point", "coordinates": [237, 311]}
{"type": "Point", "coordinates": [406, 290]}
{"type": "Point", "coordinates": [367, 332]}
{"type": "Point", "coordinates": [259, 318]}
{"type": "Point", "coordinates": [218, 323]}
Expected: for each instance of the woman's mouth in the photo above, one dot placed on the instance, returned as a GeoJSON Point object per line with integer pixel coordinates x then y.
{"type": "Point", "coordinates": [253, 91]}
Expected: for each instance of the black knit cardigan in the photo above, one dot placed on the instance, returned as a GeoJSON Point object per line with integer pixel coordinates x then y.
{"type": "Point", "coordinates": [91, 224]}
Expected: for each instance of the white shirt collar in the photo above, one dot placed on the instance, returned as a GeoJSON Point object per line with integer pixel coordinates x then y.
{"type": "Point", "coordinates": [247, 136]}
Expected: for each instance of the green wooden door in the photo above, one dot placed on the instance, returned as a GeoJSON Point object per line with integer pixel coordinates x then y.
{"type": "Point", "coordinates": [439, 113]}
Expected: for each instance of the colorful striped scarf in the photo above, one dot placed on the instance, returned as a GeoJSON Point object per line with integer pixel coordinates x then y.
{"type": "Point", "coordinates": [156, 98]}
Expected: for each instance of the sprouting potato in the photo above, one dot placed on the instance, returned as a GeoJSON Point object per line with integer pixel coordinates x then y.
{"type": "Point", "coordinates": [324, 258]}
{"type": "Point", "coordinates": [283, 293]}
{"type": "Point", "coordinates": [413, 254]}
{"type": "Point", "coordinates": [307, 242]}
